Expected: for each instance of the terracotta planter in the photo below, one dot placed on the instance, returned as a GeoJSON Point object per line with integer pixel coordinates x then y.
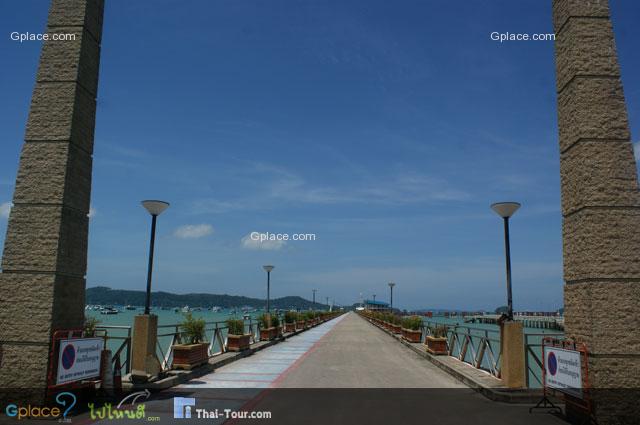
{"type": "Point", "coordinates": [437, 346]}
{"type": "Point", "coordinates": [290, 327]}
{"type": "Point", "coordinates": [396, 329]}
{"type": "Point", "coordinates": [267, 334]}
{"type": "Point", "coordinates": [188, 356]}
{"type": "Point", "coordinates": [300, 324]}
{"type": "Point", "coordinates": [411, 335]}
{"type": "Point", "coordinates": [238, 342]}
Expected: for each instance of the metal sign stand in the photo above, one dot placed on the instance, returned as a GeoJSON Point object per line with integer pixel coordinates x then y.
{"type": "Point", "coordinates": [584, 404]}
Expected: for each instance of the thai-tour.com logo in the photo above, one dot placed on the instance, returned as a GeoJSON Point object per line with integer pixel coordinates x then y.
{"type": "Point", "coordinates": [185, 408]}
{"type": "Point", "coordinates": [65, 399]}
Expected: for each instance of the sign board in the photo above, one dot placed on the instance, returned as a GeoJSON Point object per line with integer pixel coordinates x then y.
{"type": "Point", "coordinates": [563, 370]}
{"type": "Point", "coordinates": [79, 359]}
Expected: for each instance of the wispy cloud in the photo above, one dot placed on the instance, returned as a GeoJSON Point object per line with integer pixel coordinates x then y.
{"type": "Point", "coordinates": [254, 242]}
{"type": "Point", "coordinates": [193, 231]}
{"type": "Point", "coordinates": [278, 186]}
{"type": "Point", "coordinates": [5, 209]}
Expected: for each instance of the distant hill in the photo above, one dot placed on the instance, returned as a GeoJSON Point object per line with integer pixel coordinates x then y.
{"type": "Point", "coordinates": [103, 295]}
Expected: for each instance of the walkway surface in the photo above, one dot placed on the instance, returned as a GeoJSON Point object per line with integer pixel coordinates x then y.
{"type": "Point", "coordinates": [344, 371]}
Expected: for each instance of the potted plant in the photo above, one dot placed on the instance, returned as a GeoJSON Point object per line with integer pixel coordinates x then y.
{"type": "Point", "coordinates": [194, 351]}
{"type": "Point", "coordinates": [299, 321]}
{"type": "Point", "coordinates": [308, 318]}
{"type": "Point", "coordinates": [395, 325]}
{"type": "Point", "coordinates": [290, 321]}
{"type": "Point", "coordinates": [268, 326]}
{"type": "Point", "coordinates": [411, 328]}
{"type": "Point", "coordinates": [436, 341]}
{"type": "Point", "coordinates": [237, 340]}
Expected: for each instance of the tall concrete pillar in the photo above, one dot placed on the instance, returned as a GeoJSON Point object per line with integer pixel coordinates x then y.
{"type": "Point", "coordinates": [600, 202]}
{"type": "Point", "coordinates": [42, 284]}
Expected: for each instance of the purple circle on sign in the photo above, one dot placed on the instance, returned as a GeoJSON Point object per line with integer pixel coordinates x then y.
{"type": "Point", "coordinates": [68, 356]}
{"type": "Point", "coordinates": [552, 364]}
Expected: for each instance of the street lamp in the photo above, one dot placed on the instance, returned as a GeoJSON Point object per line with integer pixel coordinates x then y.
{"type": "Point", "coordinates": [268, 270]}
{"type": "Point", "coordinates": [327, 298]}
{"type": "Point", "coordinates": [314, 297]}
{"type": "Point", "coordinates": [391, 285]}
{"type": "Point", "coordinates": [155, 208]}
{"type": "Point", "coordinates": [374, 297]}
{"type": "Point", "coordinates": [506, 210]}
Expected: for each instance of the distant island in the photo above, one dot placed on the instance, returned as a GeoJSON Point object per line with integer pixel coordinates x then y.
{"type": "Point", "coordinates": [102, 295]}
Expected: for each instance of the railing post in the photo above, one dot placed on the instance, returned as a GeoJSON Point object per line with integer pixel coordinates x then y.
{"type": "Point", "coordinates": [145, 336]}
{"type": "Point", "coordinates": [512, 356]}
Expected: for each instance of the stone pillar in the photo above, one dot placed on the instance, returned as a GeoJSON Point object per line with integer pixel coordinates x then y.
{"type": "Point", "coordinates": [45, 254]}
{"type": "Point", "coordinates": [144, 362]}
{"type": "Point", "coordinates": [600, 202]}
{"type": "Point", "coordinates": [512, 364]}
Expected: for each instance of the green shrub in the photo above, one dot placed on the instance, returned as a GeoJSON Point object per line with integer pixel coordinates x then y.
{"type": "Point", "coordinates": [309, 315]}
{"type": "Point", "coordinates": [90, 325]}
{"type": "Point", "coordinates": [412, 322]}
{"type": "Point", "coordinates": [263, 319]}
{"type": "Point", "coordinates": [236, 326]}
{"type": "Point", "coordinates": [290, 316]}
{"type": "Point", "coordinates": [193, 330]}
{"type": "Point", "coordinates": [439, 331]}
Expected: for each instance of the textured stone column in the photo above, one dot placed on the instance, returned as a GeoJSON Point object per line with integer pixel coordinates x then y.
{"type": "Point", "coordinates": [42, 284]}
{"type": "Point", "coordinates": [600, 201]}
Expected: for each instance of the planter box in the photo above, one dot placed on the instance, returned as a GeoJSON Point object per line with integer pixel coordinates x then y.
{"type": "Point", "coordinates": [300, 324]}
{"type": "Point", "coordinates": [188, 356]}
{"type": "Point", "coordinates": [238, 342]}
{"type": "Point", "coordinates": [437, 346]}
{"type": "Point", "coordinates": [268, 334]}
{"type": "Point", "coordinates": [411, 335]}
{"type": "Point", "coordinates": [290, 327]}
{"type": "Point", "coordinates": [396, 329]}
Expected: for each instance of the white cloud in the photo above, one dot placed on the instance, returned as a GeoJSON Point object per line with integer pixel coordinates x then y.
{"type": "Point", "coordinates": [193, 231]}
{"type": "Point", "coordinates": [278, 186]}
{"type": "Point", "coordinates": [636, 150]}
{"type": "Point", "coordinates": [249, 242]}
{"type": "Point", "coordinates": [5, 208]}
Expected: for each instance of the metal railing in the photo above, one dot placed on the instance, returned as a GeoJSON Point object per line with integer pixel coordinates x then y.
{"type": "Point", "coordinates": [218, 332]}
{"type": "Point", "coordinates": [118, 340]}
{"type": "Point", "coordinates": [477, 347]}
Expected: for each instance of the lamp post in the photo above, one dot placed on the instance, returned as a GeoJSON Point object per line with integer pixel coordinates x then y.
{"type": "Point", "coordinates": [506, 210]}
{"type": "Point", "coordinates": [155, 208]}
{"type": "Point", "coordinates": [391, 285]}
{"type": "Point", "coordinates": [268, 269]}
{"type": "Point", "coordinates": [327, 298]}
{"type": "Point", "coordinates": [314, 297]}
{"type": "Point", "coordinates": [374, 297]}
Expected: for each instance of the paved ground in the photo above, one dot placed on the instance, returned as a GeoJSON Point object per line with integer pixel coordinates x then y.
{"type": "Point", "coordinates": [344, 371]}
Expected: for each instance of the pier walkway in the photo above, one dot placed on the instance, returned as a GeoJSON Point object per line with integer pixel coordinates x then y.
{"type": "Point", "coordinates": [344, 371]}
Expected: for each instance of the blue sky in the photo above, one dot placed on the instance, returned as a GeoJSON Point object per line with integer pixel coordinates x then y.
{"type": "Point", "coordinates": [385, 128]}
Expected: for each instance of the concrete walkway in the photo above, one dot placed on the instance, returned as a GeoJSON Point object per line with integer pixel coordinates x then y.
{"type": "Point", "coordinates": [344, 371]}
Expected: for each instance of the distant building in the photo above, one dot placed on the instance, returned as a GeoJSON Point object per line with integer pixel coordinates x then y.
{"type": "Point", "coordinates": [375, 305]}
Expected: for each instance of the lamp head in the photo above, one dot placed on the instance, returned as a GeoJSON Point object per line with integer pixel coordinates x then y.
{"type": "Point", "coordinates": [155, 207]}
{"type": "Point", "coordinates": [268, 268]}
{"type": "Point", "coordinates": [391, 284]}
{"type": "Point", "coordinates": [505, 209]}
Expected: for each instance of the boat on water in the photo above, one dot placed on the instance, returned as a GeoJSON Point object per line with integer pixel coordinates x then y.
{"type": "Point", "coordinates": [129, 307]}
{"type": "Point", "coordinates": [109, 310]}
{"type": "Point", "coordinates": [186, 309]}
{"type": "Point", "coordinates": [216, 309]}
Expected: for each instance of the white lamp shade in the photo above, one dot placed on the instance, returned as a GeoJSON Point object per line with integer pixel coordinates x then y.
{"type": "Point", "coordinates": [268, 268]}
{"type": "Point", "coordinates": [392, 284]}
{"type": "Point", "coordinates": [155, 207]}
{"type": "Point", "coordinates": [505, 209]}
